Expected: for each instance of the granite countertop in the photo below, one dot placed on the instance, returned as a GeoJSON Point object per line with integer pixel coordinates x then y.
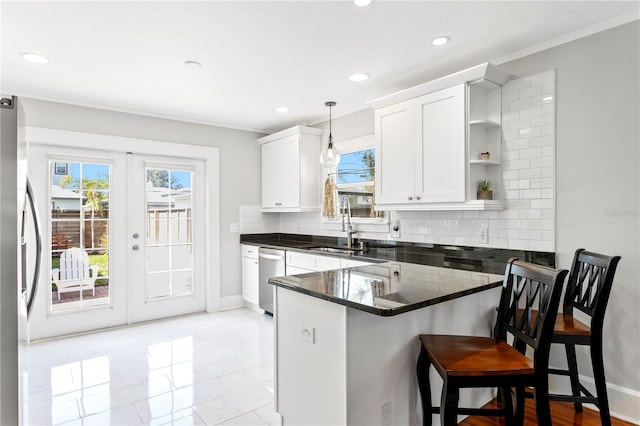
{"type": "Point", "coordinates": [389, 288]}
{"type": "Point", "coordinates": [478, 259]}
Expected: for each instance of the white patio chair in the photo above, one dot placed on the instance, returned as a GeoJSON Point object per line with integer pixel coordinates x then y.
{"type": "Point", "coordinates": [74, 273]}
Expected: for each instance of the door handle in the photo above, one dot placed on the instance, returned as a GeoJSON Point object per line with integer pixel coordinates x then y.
{"type": "Point", "coordinates": [271, 256]}
{"type": "Point", "coordinates": [38, 263]}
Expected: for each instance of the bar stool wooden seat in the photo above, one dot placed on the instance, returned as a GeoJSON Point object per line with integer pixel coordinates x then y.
{"type": "Point", "coordinates": [588, 290]}
{"type": "Point", "coordinates": [491, 362]}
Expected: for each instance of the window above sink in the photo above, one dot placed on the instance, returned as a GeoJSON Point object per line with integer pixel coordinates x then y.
{"type": "Point", "coordinates": [355, 179]}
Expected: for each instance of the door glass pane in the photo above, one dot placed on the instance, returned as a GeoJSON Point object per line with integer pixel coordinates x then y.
{"type": "Point", "coordinates": [158, 285]}
{"type": "Point", "coordinates": [79, 216]}
{"type": "Point", "coordinates": [169, 233]}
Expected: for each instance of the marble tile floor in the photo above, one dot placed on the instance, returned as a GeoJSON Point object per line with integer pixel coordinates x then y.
{"type": "Point", "coordinates": [206, 369]}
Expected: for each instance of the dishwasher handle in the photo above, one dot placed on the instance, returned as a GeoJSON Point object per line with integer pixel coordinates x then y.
{"type": "Point", "coordinates": [271, 256]}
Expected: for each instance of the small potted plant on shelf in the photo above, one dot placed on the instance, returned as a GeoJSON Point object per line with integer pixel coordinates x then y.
{"type": "Point", "coordinates": [484, 190]}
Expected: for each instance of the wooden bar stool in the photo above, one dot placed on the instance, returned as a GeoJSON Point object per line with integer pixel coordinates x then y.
{"type": "Point", "coordinates": [588, 291]}
{"type": "Point", "coordinates": [470, 362]}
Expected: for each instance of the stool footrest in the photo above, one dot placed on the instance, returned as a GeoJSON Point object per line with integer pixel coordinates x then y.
{"type": "Point", "coordinates": [571, 398]}
{"type": "Point", "coordinates": [559, 372]}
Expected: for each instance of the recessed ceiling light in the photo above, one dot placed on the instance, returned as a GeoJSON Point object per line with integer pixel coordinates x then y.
{"type": "Point", "coordinates": [192, 64]}
{"type": "Point", "coordinates": [362, 3]}
{"type": "Point", "coordinates": [440, 41]}
{"type": "Point", "coordinates": [282, 109]}
{"type": "Point", "coordinates": [34, 58]}
{"type": "Point", "coordinates": [359, 76]}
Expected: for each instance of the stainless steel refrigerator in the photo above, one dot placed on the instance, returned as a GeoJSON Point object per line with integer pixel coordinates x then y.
{"type": "Point", "coordinates": [20, 259]}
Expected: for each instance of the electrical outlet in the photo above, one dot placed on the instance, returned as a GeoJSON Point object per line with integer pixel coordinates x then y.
{"type": "Point", "coordinates": [306, 333]}
{"type": "Point", "coordinates": [385, 413]}
{"type": "Point", "coordinates": [483, 236]}
{"type": "Point", "coordinates": [395, 230]}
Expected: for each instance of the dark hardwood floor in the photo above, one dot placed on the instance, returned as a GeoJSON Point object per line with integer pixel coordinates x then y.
{"type": "Point", "coordinates": [561, 412]}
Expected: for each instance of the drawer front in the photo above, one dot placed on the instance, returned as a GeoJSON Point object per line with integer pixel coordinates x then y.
{"type": "Point", "coordinates": [301, 260]}
{"type": "Point", "coordinates": [249, 251]}
{"type": "Point", "coordinates": [294, 270]}
{"type": "Point", "coordinates": [348, 263]}
{"type": "Point", "coordinates": [326, 263]}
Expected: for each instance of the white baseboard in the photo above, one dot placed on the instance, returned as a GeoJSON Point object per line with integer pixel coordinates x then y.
{"type": "Point", "coordinates": [624, 403]}
{"type": "Point", "coordinates": [231, 302]}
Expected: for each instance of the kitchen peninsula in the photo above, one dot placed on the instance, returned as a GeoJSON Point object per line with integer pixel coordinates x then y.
{"type": "Point", "coordinates": [346, 344]}
{"type": "Point", "coordinates": [346, 339]}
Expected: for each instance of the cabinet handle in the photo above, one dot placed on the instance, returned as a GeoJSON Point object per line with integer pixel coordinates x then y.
{"type": "Point", "coordinates": [410, 198]}
{"type": "Point", "coordinates": [417, 197]}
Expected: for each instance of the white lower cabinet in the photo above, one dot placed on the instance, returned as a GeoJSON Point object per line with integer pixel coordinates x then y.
{"type": "Point", "coordinates": [250, 274]}
{"type": "Point", "coordinates": [350, 263]}
{"type": "Point", "coordinates": [327, 263]}
{"type": "Point", "coordinates": [294, 270]}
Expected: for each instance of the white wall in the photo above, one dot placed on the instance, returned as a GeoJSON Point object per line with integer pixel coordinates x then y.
{"type": "Point", "coordinates": [598, 183]}
{"type": "Point", "coordinates": [239, 162]}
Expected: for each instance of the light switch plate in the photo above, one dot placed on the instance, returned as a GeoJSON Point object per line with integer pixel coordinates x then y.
{"type": "Point", "coordinates": [394, 230]}
{"type": "Point", "coordinates": [483, 236]}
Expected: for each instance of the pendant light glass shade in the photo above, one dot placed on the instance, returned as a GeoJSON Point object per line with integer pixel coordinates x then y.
{"type": "Point", "coordinates": [330, 158]}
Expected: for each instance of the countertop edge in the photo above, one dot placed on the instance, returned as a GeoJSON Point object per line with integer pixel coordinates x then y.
{"type": "Point", "coordinates": [384, 312]}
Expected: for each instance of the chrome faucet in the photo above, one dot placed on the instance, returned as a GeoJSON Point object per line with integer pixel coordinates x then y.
{"type": "Point", "coordinates": [349, 228]}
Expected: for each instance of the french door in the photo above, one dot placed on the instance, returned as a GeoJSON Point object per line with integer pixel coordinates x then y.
{"type": "Point", "coordinates": [123, 235]}
{"type": "Point", "coordinates": [166, 253]}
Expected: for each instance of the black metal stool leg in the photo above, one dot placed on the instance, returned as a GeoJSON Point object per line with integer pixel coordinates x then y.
{"type": "Point", "coordinates": [601, 383]}
{"type": "Point", "coordinates": [519, 418]}
{"type": "Point", "coordinates": [543, 411]}
{"type": "Point", "coordinates": [449, 404]}
{"type": "Point", "coordinates": [572, 363]}
{"type": "Point", "coordinates": [424, 386]}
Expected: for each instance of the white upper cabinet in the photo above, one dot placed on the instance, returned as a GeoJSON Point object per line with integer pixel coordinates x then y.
{"type": "Point", "coordinates": [420, 150]}
{"type": "Point", "coordinates": [395, 146]}
{"type": "Point", "coordinates": [291, 170]}
{"type": "Point", "coordinates": [440, 148]}
{"type": "Point", "coordinates": [429, 141]}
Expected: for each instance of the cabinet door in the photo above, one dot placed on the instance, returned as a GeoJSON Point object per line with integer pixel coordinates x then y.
{"type": "Point", "coordinates": [271, 175]}
{"type": "Point", "coordinates": [440, 161]}
{"type": "Point", "coordinates": [250, 280]}
{"type": "Point", "coordinates": [289, 153]}
{"type": "Point", "coordinates": [394, 137]}
{"type": "Point", "coordinates": [281, 173]}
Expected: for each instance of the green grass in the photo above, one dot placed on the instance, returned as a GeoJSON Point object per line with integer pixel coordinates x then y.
{"type": "Point", "coordinates": [102, 260]}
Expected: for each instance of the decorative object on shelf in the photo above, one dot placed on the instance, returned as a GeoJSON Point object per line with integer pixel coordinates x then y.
{"type": "Point", "coordinates": [484, 190]}
{"type": "Point", "coordinates": [330, 158]}
{"type": "Point", "coordinates": [485, 155]}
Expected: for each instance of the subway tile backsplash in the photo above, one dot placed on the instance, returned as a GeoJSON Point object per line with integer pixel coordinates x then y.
{"type": "Point", "coordinates": [528, 187]}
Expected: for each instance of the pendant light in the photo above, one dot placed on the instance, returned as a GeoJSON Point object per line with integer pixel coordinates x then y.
{"type": "Point", "coordinates": [330, 158]}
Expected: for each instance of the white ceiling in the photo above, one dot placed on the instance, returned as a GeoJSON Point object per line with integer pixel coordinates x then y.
{"type": "Point", "coordinates": [255, 56]}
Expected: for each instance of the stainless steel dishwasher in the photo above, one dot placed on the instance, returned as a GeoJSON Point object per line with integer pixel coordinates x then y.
{"type": "Point", "coordinates": [271, 264]}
